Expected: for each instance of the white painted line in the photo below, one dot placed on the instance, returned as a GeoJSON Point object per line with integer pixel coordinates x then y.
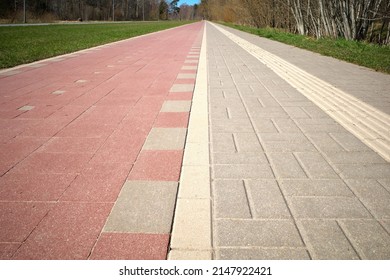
{"type": "Point", "coordinates": [367, 123]}
{"type": "Point", "coordinates": [191, 234]}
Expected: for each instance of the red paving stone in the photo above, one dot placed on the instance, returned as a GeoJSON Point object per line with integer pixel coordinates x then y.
{"type": "Point", "coordinates": [98, 183]}
{"type": "Point", "coordinates": [34, 186]}
{"type": "Point", "coordinates": [172, 120]}
{"type": "Point", "coordinates": [19, 219]}
{"type": "Point", "coordinates": [130, 246]}
{"type": "Point", "coordinates": [7, 250]}
{"type": "Point", "coordinates": [64, 162]}
{"type": "Point", "coordinates": [69, 231]}
{"type": "Point", "coordinates": [157, 166]}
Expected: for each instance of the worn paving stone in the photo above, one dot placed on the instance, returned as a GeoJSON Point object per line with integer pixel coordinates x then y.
{"type": "Point", "coordinates": [165, 139]}
{"type": "Point", "coordinates": [369, 239]}
{"type": "Point", "coordinates": [138, 203]}
{"type": "Point", "coordinates": [327, 240]}
{"type": "Point", "coordinates": [265, 233]}
{"type": "Point", "coordinates": [186, 76]}
{"type": "Point", "coordinates": [230, 199]}
{"type": "Point", "coordinates": [309, 187]}
{"type": "Point", "coordinates": [263, 254]}
{"type": "Point", "coordinates": [327, 207]}
{"type": "Point", "coordinates": [26, 108]}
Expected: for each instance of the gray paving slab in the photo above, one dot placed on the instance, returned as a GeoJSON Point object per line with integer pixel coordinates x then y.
{"type": "Point", "coordinates": [138, 205]}
{"type": "Point", "coordinates": [182, 88]}
{"type": "Point", "coordinates": [176, 106]}
{"type": "Point", "coordinates": [327, 240]}
{"type": "Point", "coordinates": [263, 254]}
{"type": "Point", "coordinates": [289, 182]}
{"type": "Point", "coordinates": [250, 233]}
{"type": "Point", "coordinates": [230, 199]}
{"type": "Point", "coordinates": [368, 237]}
{"type": "Point", "coordinates": [165, 139]}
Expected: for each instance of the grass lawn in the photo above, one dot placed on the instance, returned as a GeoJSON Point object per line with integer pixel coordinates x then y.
{"type": "Point", "coordinates": [24, 44]}
{"type": "Point", "coordinates": [369, 55]}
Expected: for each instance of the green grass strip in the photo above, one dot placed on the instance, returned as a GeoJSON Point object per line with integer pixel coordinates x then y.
{"type": "Point", "coordinates": [361, 53]}
{"type": "Point", "coordinates": [24, 44]}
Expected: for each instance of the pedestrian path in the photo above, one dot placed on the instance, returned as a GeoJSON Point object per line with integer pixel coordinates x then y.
{"type": "Point", "coordinates": [91, 148]}
{"type": "Point", "coordinates": [199, 142]}
{"type": "Point", "coordinates": [288, 181]}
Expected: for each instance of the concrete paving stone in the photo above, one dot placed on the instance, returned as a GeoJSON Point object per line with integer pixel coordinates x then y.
{"type": "Point", "coordinates": [369, 239]}
{"type": "Point", "coordinates": [176, 106]}
{"type": "Point", "coordinates": [230, 125]}
{"type": "Point", "coordinates": [286, 126]}
{"type": "Point", "coordinates": [247, 142]}
{"type": "Point", "coordinates": [360, 171]}
{"type": "Point", "coordinates": [385, 183]}
{"type": "Point", "coordinates": [256, 111]}
{"type": "Point", "coordinates": [239, 158]}
{"type": "Point", "coordinates": [349, 142]}
{"type": "Point", "coordinates": [258, 171]}
{"type": "Point", "coordinates": [26, 108]}
{"type": "Point", "coordinates": [189, 255]}
{"type": "Point", "coordinates": [267, 200]}
{"type": "Point", "coordinates": [249, 233]}
{"type": "Point", "coordinates": [285, 103]}
{"type": "Point", "coordinates": [310, 187]}
{"type": "Point", "coordinates": [230, 199]}
{"type": "Point", "coordinates": [186, 76]}
{"type": "Point", "coordinates": [326, 240]}
{"type": "Point", "coordinates": [268, 102]}
{"type": "Point", "coordinates": [324, 142]}
{"type": "Point", "coordinates": [319, 125]}
{"type": "Point", "coordinates": [264, 125]}
{"type": "Point", "coordinates": [373, 195]}
{"type": "Point", "coordinates": [386, 225]}
{"type": "Point", "coordinates": [286, 142]}
{"type": "Point", "coordinates": [195, 182]}
{"type": "Point", "coordinates": [192, 228]}
{"type": "Point", "coordinates": [223, 143]}
{"type": "Point", "coordinates": [191, 61]}
{"type": "Point", "coordinates": [130, 246]}
{"type": "Point", "coordinates": [138, 203]}
{"type": "Point", "coordinates": [165, 139]}
{"type": "Point", "coordinates": [336, 207]}
{"type": "Point", "coordinates": [351, 157]}
{"type": "Point", "coordinates": [315, 112]}
{"type": "Point", "coordinates": [316, 166]}
{"type": "Point", "coordinates": [182, 88]}
{"type": "Point", "coordinates": [285, 165]}
{"type": "Point", "coordinates": [262, 254]}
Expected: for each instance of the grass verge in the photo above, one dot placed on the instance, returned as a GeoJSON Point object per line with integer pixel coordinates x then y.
{"type": "Point", "coordinates": [361, 53]}
{"type": "Point", "coordinates": [24, 44]}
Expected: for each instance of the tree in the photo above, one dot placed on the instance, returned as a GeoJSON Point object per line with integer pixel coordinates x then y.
{"type": "Point", "coordinates": [163, 10]}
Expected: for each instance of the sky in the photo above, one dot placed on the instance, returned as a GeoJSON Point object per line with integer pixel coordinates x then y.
{"type": "Point", "coordinates": [188, 2]}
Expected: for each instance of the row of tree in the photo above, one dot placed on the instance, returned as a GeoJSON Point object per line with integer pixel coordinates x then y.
{"type": "Point", "coordinates": [48, 10]}
{"type": "Point", "coordinates": [351, 19]}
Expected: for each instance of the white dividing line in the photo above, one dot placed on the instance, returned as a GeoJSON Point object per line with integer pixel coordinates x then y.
{"type": "Point", "coordinates": [369, 124]}
{"type": "Point", "coordinates": [191, 233]}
